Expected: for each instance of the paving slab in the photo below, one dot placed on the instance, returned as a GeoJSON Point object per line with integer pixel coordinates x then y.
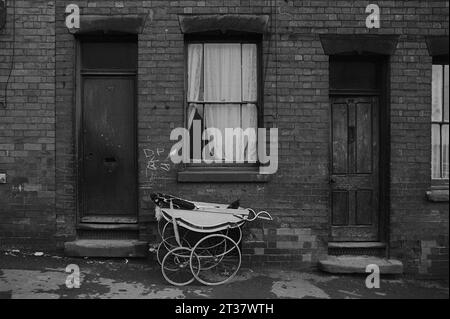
{"type": "Point", "coordinates": [25, 275]}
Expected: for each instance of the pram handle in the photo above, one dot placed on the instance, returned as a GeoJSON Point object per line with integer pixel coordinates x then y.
{"type": "Point", "coordinates": [261, 215]}
{"type": "Point", "coordinates": [265, 215]}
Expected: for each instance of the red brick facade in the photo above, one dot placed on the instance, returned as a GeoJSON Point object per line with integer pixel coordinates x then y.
{"type": "Point", "coordinates": [37, 126]}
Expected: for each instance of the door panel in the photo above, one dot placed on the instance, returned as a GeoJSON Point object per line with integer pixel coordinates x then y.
{"type": "Point", "coordinates": [340, 144]}
{"type": "Point", "coordinates": [108, 146]}
{"type": "Point", "coordinates": [364, 205]}
{"type": "Point", "coordinates": [354, 177]}
{"type": "Point", "coordinates": [364, 138]}
{"type": "Point", "coordinates": [340, 208]}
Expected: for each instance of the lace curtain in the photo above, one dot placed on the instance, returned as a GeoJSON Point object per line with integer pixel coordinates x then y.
{"type": "Point", "coordinates": [224, 77]}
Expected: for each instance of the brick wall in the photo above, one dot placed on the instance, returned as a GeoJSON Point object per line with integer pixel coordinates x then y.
{"type": "Point", "coordinates": [27, 125]}
{"type": "Point", "coordinates": [295, 100]}
{"type": "Point", "coordinates": [415, 223]}
{"type": "Point", "coordinates": [66, 178]}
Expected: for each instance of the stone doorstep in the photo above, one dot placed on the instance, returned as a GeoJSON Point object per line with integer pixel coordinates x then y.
{"type": "Point", "coordinates": [358, 264]}
{"type": "Point", "coordinates": [106, 248]}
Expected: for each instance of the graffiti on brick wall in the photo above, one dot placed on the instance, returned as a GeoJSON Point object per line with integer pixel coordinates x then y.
{"type": "Point", "coordinates": [157, 161]}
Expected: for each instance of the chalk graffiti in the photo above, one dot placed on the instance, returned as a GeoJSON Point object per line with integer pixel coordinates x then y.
{"type": "Point", "coordinates": [156, 161]}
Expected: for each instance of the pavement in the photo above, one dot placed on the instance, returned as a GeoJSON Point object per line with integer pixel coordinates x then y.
{"type": "Point", "coordinates": [40, 275]}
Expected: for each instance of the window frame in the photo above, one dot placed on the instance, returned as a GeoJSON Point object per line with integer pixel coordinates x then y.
{"type": "Point", "coordinates": [439, 183]}
{"type": "Point", "coordinates": [229, 37]}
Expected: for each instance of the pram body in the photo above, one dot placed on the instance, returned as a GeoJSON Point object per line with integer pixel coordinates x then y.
{"type": "Point", "coordinates": [200, 240]}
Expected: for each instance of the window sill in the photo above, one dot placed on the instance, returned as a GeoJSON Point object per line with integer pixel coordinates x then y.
{"type": "Point", "coordinates": [222, 175]}
{"type": "Point", "coordinates": [438, 195]}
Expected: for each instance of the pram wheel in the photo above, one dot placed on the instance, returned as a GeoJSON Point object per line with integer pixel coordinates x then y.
{"type": "Point", "coordinates": [215, 259]}
{"type": "Point", "coordinates": [169, 241]}
{"type": "Point", "coordinates": [176, 268]}
{"type": "Point", "coordinates": [235, 234]}
{"type": "Point", "coordinates": [168, 244]}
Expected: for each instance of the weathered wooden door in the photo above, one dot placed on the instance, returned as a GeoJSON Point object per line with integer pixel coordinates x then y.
{"type": "Point", "coordinates": [354, 176]}
{"type": "Point", "coordinates": [108, 178]}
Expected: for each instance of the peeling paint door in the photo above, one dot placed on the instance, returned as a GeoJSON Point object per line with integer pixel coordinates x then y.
{"type": "Point", "coordinates": [108, 179]}
{"type": "Point", "coordinates": [354, 179]}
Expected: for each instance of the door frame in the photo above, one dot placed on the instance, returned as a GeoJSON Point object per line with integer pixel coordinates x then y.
{"type": "Point", "coordinates": [78, 132]}
{"type": "Point", "coordinates": [383, 94]}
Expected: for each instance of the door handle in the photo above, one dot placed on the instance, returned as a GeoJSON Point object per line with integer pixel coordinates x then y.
{"type": "Point", "coordinates": [331, 180]}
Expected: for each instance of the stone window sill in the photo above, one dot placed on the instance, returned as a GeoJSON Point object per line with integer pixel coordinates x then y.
{"type": "Point", "coordinates": [222, 175]}
{"type": "Point", "coordinates": [438, 195]}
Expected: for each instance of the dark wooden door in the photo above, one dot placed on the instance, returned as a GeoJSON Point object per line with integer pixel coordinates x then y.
{"type": "Point", "coordinates": [108, 149]}
{"type": "Point", "coordinates": [354, 176]}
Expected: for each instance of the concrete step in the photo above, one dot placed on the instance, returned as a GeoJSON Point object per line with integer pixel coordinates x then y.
{"type": "Point", "coordinates": [106, 248]}
{"type": "Point", "coordinates": [358, 264]}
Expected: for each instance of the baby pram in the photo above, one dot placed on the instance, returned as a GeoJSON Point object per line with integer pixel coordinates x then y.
{"type": "Point", "coordinates": [200, 241]}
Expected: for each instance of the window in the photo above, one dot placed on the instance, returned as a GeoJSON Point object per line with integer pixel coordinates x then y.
{"type": "Point", "coordinates": [439, 122]}
{"type": "Point", "coordinates": [222, 92]}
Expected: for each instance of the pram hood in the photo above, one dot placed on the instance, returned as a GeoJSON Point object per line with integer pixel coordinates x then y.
{"type": "Point", "coordinates": [168, 201]}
